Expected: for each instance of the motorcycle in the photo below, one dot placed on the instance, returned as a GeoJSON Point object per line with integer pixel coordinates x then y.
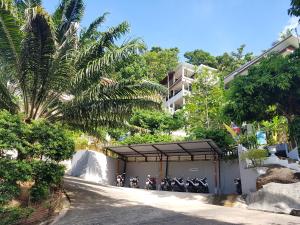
{"type": "Point", "coordinates": [197, 185]}
{"type": "Point", "coordinates": [150, 183]}
{"type": "Point", "coordinates": [203, 185]}
{"type": "Point", "coordinates": [121, 180]}
{"type": "Point", "coordinates": [238, 185]}
{"type": "Point", "coordinates": [165, 184]}
{"type": "Point", "coordinates": [178, 184]}
{"type": "Point", "coordinates": [134, 182]}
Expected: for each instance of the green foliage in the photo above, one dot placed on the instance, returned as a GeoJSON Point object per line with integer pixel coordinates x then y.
{"type": "Point", "coordinates": [225, 63]}
{"type": "Point", "coordinates": [51, 141]}
{"type": "Point", "coordinates": [39, 192]}
{"type": "Point", "coordinates": [13, 133]}
{"type": "Point", "coordinates": [160, 61]}
{"type": "Point", "coordinates": [198, 57]}
{"type": "Point", "coordinates": [38, 139]}
{"type": "Point", "coordinates": [204, 107]}
{"type": "Point", "coordinates": [157, 121]}
{"type": "Point", "coordinates": [48, 70]}
{"type": "Point", "coordinates": [295, 8]}
{"type": "Point", "coordinates": [228, 62]}
{"type": "Point", "coordinates": [12, 171]}
{"type": "Point", "coordinates": [220, 136]}
{"type": "Point", "coordinates": [133, 68]}
{"type": "Point", "coordinates": [294, 130]}
{"type": "Point", "coordinates": [256, 156]}
{"type": "Point", "coordinates": [277, 130]}
{"type": "Point", "coordinates": [49, 173]}
{"type": "Point", "coordinates": [274, 81]}
{"type": "Point", "coordinates": [146, 139]}
{"type": "Point", "coordinates": [12, 215]}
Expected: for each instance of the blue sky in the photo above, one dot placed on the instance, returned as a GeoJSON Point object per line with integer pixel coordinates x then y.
{"type": "Point", "coordinates": [215, 26]}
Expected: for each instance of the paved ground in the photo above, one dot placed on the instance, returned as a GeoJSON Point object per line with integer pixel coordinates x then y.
{"type": "Point", "coordinates": [99, 204]}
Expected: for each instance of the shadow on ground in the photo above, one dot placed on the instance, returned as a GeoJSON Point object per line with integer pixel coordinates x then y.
{"type": "Point", "coordinates": [89, 207]}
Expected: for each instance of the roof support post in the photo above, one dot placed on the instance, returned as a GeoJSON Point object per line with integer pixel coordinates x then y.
{"type": "Point", "coordinates": [160, 168]}
{"type": "Point", "coordinates": [167, 166]}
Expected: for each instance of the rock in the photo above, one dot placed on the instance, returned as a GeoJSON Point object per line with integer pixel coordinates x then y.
{"type": "Point", "coordinates": [277, 174]}
{"type": "Point", "coordinates": [275, 197]}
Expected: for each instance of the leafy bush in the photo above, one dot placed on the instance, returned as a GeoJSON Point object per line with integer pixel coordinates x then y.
{"type": "Point", "coordinates": [33, 142]}
{"type": "Point", "coordinates": [39, 192]}
{"type": "Point", "coordinates": [157, 121]}
{"type": "Point", "coordinates": [49, 173]}
{"type": "Point", "coordinates": [147, 138]}
{"type": "Point", "coordinates": [13, 134]}
{"type": "Point", "coordinates": [51, 141]}
{"type": "Point", "coordinates": [256, 156]}
{"type": "Point", "coordinates": [12, 171]}
{"type": "Point", "coordinates": [219, 136]}
{"type": "Point", "coordinates": [11, 215]}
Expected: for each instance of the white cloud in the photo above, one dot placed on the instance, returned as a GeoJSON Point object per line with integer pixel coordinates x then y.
{"type": "Point", "coordinates": [291, 25]}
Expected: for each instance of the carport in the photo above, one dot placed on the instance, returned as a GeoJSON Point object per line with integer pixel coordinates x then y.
{"type": "Point", "coordinates": [200, 150]}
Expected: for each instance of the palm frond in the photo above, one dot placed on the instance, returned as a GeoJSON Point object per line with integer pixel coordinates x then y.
{"type": "Point", "coordinates": [96, 68]}
{"type": "Point", "coordinates": [37, 57]}
{"type": "Point", "coordinates": [7, 100]}
{"type": "Point", "coordinates": [110, 103]}
{"type": "Point", "coordinates": [69, 12]}
{"type": "Point", "coordinates": [97, 48]}
{"type": "Point", "coordinates": [10, 34]}
{"type": "Point", "coordinates": [93, 27]}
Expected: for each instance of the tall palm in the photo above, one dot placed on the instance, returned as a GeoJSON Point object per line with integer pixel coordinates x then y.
{"type": "Point", "coordinates": [48, 70]}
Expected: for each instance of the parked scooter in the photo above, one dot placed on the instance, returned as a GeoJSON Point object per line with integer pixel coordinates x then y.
{"type": "Point", "coordinates": [150, 183]}
{"type": "Point", "coordinates": [178, 184]}
{"type": "Point", "coordinates": [121, 180]}
{"type": "Point", "coordinates": [238, 185]}
{"type": "Point", "coordinates": [134, 182]}
{"type": "Point", "coordinates": [203, 185]}
{"type": "Point", "coordinates": [197, 185]}
{"type": "Point", "coordinates": [192, 185]}
{"type": "Point", "coordinates": [165, 184]}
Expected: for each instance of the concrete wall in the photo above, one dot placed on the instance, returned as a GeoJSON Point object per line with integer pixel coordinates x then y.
{"type": "Point", "coordinates": [95, 166]}
{"type": "Point", "coordinates": [229, 171]}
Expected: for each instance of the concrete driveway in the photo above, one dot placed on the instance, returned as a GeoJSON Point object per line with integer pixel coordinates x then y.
{"type": "Point", "coordinates": [100, 204]}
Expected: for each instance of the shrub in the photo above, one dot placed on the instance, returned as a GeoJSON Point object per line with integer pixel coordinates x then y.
{"type": "Point", "coordinates": [147, 139]}
{"type": "Point", "coordinates": [12, 171]}
{"type": "Point", "coordinates": [51, 141]}
{"type": "Point", "coordinates": [256, 156]}
{"type": "Point", "coordinates": [40, 191]}
{"type": "Point", "coordinates": [219, 136]}
{"type": "Point", "coordinates": [12, 215]}
{"type": "Point", "coordinates": [50, 173]}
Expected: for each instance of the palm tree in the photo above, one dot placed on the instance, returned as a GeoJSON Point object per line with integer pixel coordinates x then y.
{"type": "Point", "coordinates": [48, 69]}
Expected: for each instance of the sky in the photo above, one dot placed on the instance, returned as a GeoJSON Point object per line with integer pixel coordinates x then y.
{"type": "Point", "coordinates": [216, 26]}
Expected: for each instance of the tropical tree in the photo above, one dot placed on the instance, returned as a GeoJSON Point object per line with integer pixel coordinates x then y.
{"type": "Point", "coordinates": [270, 88]}
{"type": "Point", "coordinates": [206, 102]}
{"type": "Point", "coordinates": [295, 8]}
{"type": "Point", "coordinates": [198, 57]}
{"type": "Point", "coordinates": [49, 71]}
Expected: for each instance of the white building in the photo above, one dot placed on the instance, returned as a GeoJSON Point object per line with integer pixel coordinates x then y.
{"type": "Point", "coordinates": [179, 84]}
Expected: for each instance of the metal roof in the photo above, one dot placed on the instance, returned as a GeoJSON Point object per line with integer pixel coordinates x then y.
{"type": "Point", "coordinates": [191, 149]}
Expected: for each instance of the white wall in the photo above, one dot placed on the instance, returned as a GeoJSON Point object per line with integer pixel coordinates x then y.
{"type": "Point", "coordinates": [229, 171]}
{"type": "Point", "coordinates": [94, 166]}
